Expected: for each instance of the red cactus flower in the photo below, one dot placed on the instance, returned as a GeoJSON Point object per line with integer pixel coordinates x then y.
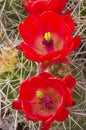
{"type": "Point", "coordinates": [48, 37]}
{"type": "Point", "coordinates": [45, 98]}
{"type": "Point", "coordinates": [38, 6]}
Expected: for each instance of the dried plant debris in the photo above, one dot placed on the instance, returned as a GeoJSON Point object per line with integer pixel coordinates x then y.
{"type": "Point", "coordinates": [8, 59]}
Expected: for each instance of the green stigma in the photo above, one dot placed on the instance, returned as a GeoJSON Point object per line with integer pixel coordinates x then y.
{"type": "Point", "coordinates": [39, 94]}
{"type": "Point", "coordinates": [47, 36]}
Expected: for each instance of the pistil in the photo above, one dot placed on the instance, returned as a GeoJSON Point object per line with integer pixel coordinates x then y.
{"type": "Point", "coordinates": [48, 41]}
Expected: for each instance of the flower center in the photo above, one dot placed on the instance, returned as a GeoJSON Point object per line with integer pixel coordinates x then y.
{"type": "Point", "coordinates": [48, 41]}
{"type": "Point", "coordinates": [47, 101]}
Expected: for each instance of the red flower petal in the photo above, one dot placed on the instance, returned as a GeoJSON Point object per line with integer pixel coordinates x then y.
{"type": "Point", "coordinates": [63, 115]}
{"type": "Point", "coordinates": [28, 52]}
{"type": "Point", "coordinates": [39, 6]}
{"type": "Point", "coordinates": [17, 105]}
{"type": "Point", "coordinates": [52, 22]}
{"type": "Point", "coordinates": [69, 97]}
{"type": "Point", "coordinates": [24, 94]}
{"type": "Point", "coordinates": [70, 22]}
{"type": "Point", "coordinates": [29, 32]}
{"type": "Point", "coordinates": [75, 43]}
{"type": "Point", "coordinates": [32, 113]}
{"type": "Point", "coordinates": [57, 5]}
{"type": "Point", "coordinates": [32, 55]}
{"type": "Point", "coordinates": [27, 5]}
{"type": "Point", "coordinates": [70, 82]}
{"type": "Point", "coordinates": [24, 34]}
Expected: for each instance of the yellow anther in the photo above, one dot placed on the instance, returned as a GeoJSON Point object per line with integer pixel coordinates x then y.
{"type": "Point", "coordinates": [47, 36]}
{"type": "Point", "coordinates": [39, 94]}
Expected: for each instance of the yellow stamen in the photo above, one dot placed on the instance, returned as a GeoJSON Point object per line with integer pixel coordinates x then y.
{"type": "Point", "coordinates": [39, 94]}
{"type": "Point", "coordinates": [47, 36]}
